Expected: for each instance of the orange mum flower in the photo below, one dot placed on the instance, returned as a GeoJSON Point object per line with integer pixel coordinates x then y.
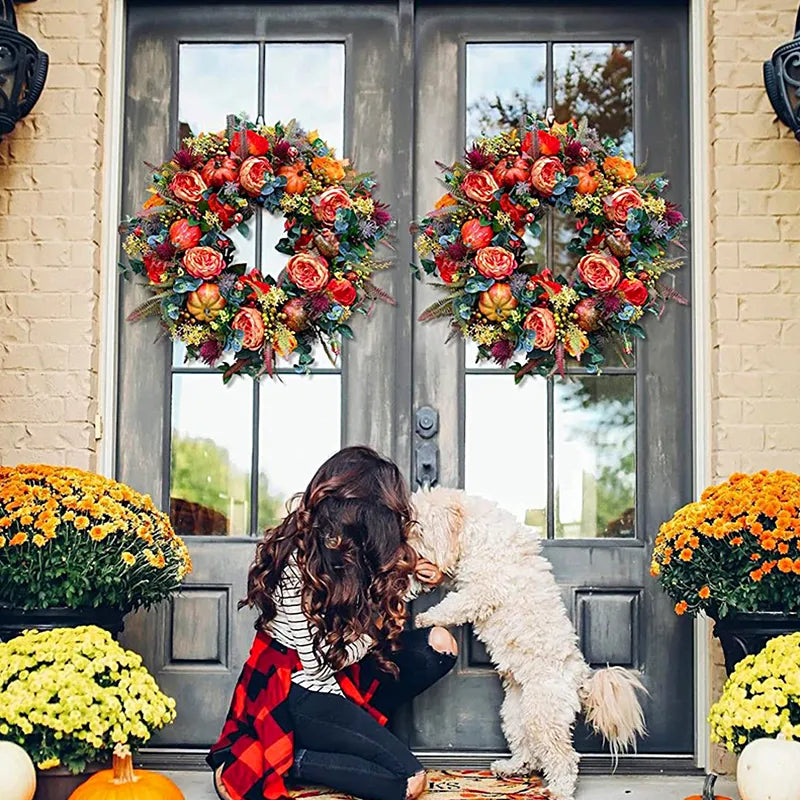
{"type": "Point", "coordinates": [756, 575]}
{"type": "Point", "coordinates": [768, 543]}
{"type": "Point", "coordinates": [755, 557]}
{"type": "Point", "coordinates": [705, 593]}
{"type": "Point", "coordinates": [737, 540]}
{"type": "Point", "coordinates": [18, 538]}
{"type": "Point", "coordinates": [686, 554]}
{"type": "Point", "coordinates": [98, 533]}
{"type": "Point", "coordinates": [786, 565]}
{"type": "Point", "coordinates": [681, 608]}
{"type": "Point", "coordinates": [783, 548]}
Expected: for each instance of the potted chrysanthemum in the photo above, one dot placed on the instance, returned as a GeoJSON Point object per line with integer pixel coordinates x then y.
{"type": "Point", "coordinates": [735, 555]}
{"type": "Point", "coordinates": [78, 548]}
{"type": "Point", "coordinates": [758, 716]}
{"type": "Point", "coordinates": [71, 697]}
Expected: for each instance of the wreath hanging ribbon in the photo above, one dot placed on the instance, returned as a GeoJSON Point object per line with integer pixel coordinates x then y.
{"type": "Point", "coordinates": [221, 308]}
{"type": "Point", "coordinates": [473, 242]}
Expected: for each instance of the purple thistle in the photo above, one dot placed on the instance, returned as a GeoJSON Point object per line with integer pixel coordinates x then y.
{"type": "Point", "coordinates": [368, 228]}
{"type": "Point", "coordinates": [518, 283]}
{"type": "Point", "coordinates": [612, 303]}
{"type": "Point", "coordinates": [573, 150]}
{"type": "Point", "coordinates": [457, 251]}
{"type": "Point", "coordinates": [673, 216]}
{"type": "Point", "coordinates": [381, 216]}
{"type": "Point", "coordinates": [477, 159]}
{"type": "Point", "coordinates": [660, 228]}
{"type": "Point", "coordinates": [226, 282]}
{"type": "Point", "coordinates": [282, 150]}
{"type": "Point", "coordinates": [502, 351]}
{"type": "Point", "coordinates": [165, 251]}
{"type": "Point", "coordinates": [210, 351]}
{"type": "Point", "coordinates": [185, 159]}
{"type": "Point", "coordinates": [319, 304]}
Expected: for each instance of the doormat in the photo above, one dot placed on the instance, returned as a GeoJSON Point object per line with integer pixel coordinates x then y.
{"type": "Point", "coordinates": [457, 784]}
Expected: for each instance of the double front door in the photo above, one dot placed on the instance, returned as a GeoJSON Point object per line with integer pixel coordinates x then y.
{"type": "Point", "coordinates": [593, 463]}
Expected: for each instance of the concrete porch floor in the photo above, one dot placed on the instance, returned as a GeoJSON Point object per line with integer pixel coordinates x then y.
{"type": "Point", "coordinates": [197, 786]}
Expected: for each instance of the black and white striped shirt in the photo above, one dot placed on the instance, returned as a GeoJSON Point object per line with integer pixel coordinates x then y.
{"type": "Point", "coordinates": [292, 628]}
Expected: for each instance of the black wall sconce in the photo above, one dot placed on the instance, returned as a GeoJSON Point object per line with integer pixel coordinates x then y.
{"type": "Point", "coordinates": [23, 70]}
{"type": "Point", "coordinates": [782, 80]}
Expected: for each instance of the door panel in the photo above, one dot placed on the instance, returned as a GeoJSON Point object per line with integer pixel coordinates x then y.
{"type": "Point", "coordinates": [224, 459]}
{"type": "Point", "coordinates": [402, 85]}
{"type": "Point", "coordinates": [596, 462]}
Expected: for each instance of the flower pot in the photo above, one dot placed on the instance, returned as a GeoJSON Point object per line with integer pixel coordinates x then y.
{"type": "Point", "coordinates": [13, 621]}
{"type": "Point", "coordinates": [59, 783]}
{"type": "Point", "coordinates": [746, 633]}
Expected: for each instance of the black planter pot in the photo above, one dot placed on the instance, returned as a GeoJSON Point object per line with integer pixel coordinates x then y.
{"type": "Point", "coordinates": [60, 783]}
{"type": "Point", "coordinates": [745, 634]}
{"type": "Point", "coordinates": [13, 621]}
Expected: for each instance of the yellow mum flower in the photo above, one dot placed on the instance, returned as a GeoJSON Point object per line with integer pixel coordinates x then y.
{"type": "Point", "coordinates": [128, 558]}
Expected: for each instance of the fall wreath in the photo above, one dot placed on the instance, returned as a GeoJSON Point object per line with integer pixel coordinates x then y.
{"type": "Point", "coordinates": [512, 308]}
{"type": "Point", "coordinates": [226, 313]}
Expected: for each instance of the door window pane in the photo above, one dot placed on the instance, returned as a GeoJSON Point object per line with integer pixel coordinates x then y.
{"type": "Point", "coordinates": [504, 82]}
{"type": "Point", "coordinates": [288, 459]}
{"type": "Point", "coordinates": [206, 92]}
{"type": "Point", "coordinates": [213, 430]}
{"type": "Point", "coordinates": [595, 464]}
{"type": "Point", "coordinates": [594, 81]}
{"type": "Point", "coordinates": [212, 434]}
{"type": "Point", "coordinates": [505, 449]}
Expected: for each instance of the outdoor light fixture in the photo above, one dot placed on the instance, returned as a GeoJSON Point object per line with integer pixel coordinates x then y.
{"type": "Point", "coordinates": [782, 80]}
{"type": "Point", "coordinates": [23, 70]}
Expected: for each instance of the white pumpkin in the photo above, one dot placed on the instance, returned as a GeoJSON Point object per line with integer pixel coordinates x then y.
{"type": "Point", "coordinates": [19, 774]}
{"type": "Point", "coordinates": [769, 769]}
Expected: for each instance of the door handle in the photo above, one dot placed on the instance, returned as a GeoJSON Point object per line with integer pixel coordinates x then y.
{"type": "Point", "coordinates": [426, 452]}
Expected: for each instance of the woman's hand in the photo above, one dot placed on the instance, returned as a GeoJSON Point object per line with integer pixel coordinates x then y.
{"type": "Point", "coordinates": [428, 573]}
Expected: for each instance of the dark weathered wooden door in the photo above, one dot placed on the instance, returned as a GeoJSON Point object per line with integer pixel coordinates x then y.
{"type": "Point", "coordinates": [397, 86]}
{"type": "Point", "coordinates": [223, 459]}
{"type": "Point", "coordinates": [593, 463]}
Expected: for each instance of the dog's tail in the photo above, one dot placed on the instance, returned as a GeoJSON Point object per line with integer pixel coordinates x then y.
{"type": "Point", "coordinates": [611, 705]}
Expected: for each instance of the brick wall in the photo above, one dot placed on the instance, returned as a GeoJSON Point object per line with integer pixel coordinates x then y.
{"type": "Point", "coordinates": [755, 209]}
{"type": "Point", "coordinates": [50, 187]}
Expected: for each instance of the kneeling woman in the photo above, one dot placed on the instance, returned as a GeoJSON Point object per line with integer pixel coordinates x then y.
{"type": "Point", "coordinates": [331, 661]}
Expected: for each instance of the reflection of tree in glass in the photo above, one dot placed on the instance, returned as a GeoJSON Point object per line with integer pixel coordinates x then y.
{"type": "Point", "coordinates": [601, 414]}
{"type": "Point", "coordinates": [596, 82]}
{"type": "Point", "coordinates": [202, 475]}
{"type": "Point", "coordinates": [593, 81]}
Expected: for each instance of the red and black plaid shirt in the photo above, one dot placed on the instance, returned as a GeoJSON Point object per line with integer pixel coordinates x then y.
{"type": "Point", "coordinates": [256, 746]}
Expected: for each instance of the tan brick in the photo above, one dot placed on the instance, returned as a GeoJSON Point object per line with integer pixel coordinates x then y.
{"type": "Point", "coordinates": [768, 254]}
{"type": "Point", "coordinates": [754, 229]}
{"type": "Point", "coordinates": [766, 307]}
{"type": "Point", "coordinates": [747, 281]}
{"type": "Point", "coordinates": [740, 437]}
{"type": "Point", "coordinates": [738, 384]}
{"type": "Point", "coordinates": [756, 332]}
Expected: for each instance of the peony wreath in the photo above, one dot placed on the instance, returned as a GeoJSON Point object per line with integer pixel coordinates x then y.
{"type": "Point", "coordinates": [216, 305]}
{"type": "Point", "coordinates": [511, 308]}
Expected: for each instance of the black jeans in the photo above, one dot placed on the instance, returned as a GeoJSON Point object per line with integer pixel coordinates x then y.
{"type": "Point", "coordinates": [340, 745]}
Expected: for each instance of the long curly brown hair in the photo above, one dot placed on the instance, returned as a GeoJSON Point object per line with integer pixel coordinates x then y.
{"type": "Point", "coordinates": [349, 530]}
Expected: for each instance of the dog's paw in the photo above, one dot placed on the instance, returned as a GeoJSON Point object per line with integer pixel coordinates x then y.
{"type": "Point", "coordinates": [423, 620]}
{"type": "Point", "coordinates": [510, 768]}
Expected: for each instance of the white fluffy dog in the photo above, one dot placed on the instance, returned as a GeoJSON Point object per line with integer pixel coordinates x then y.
{"type": "Point", "coordinates": [504, 586]}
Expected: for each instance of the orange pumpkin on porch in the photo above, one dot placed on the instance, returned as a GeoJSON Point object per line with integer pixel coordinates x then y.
{"type": "Point", "coordinates": [123, 782]}
{"type": "Point", "coordinates": [296, 180]}
{"type": "Point", "coordinates": [708, 790]}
